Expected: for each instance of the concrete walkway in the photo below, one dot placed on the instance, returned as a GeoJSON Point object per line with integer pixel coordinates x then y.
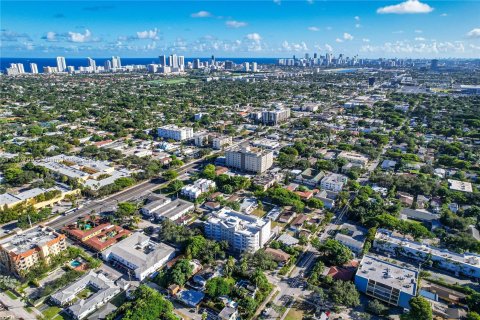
{"type": "Point", "coordinates": [17, 308]}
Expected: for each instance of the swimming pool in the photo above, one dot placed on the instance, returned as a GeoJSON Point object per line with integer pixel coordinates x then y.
{"type": "Point", "coordinates": [75, 263]}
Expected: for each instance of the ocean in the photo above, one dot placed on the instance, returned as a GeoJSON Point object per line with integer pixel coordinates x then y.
{"type": "Point", "coordinates": [78, 62]}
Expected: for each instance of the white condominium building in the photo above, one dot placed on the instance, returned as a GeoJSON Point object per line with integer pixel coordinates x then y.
{"type": "Point", "coordinates": [174, 132]}
{"type": "Point", "coordinates": [274, 117]}
{"type": "Point", "coordinates": [249, 159]}
{"type": "Point", "coordinates": [219, 142]}
{"type": "Point", "coordinates": [244, 233]}
{"type": "Point", "coordinates": [333, 182]}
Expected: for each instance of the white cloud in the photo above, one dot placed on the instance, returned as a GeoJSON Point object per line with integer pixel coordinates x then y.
{"type": "Point", "coordinates": [310, 1]}
{"type": "Point", "coordinates": [366, 40]}
{"type": "Point", "coordinates": [297, 47]}
{"type": "Point", "coordinates": [254, 37]}
{"type": "Point", "coordinates": [51, 36]}
{"type": "Point", "coordinates": [418, 31]}
{"type": "Point", "coordinates": [420, 49]}
{"type": "Point", "coordinates": [347, 36]}
{"type": "Point", "coordinates": [420, 39]}
{"type": "Point", "coordinates": [328, 47]}
{"type": "Point", "coordinates": [358, 25]}
{"type": "Point", "coordinates": [201, 14]}
{"type": "Point", "coordinates": [474, 33]}
{"type": "Point", "coordinates": [313, 28]}
{"type": "Point", "coordinates": [443, 15]}
{"type": "Point", "coordinates": [279, 2]}
{"type": "Point", "coordinates": [148, 34]}
{"type": "Point", "coordinates": [328, 28]}
{"type": "Point", "coordinates": [235, 24]}
{"type": "Point", "coordinates": [357, 18]}
{"type": "Point", "coordinates": [398, 32]}
{"type": "Point", "coordinates": [339, 40]}
{"type": "Point", "coordinates": [80, 37]}
{"type": "Point", "coordinates": [407, 7]}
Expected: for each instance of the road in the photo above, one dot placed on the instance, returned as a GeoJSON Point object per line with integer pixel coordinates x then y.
{"type": "Point", "coordinates": [135, 192]}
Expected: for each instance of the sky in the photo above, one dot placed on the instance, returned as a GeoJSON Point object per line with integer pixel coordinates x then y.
{"type": "Point", "coordinates": [278, 28]}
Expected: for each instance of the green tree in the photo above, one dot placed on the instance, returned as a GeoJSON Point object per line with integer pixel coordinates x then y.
{"type": "Point", "coordinates": [170, 175]}
{"type": "Point", "coordinates": [473, 316]}
{"type": "Point", "coordinates": [333, 252]}
{"type": "Point", "coordinates": [219, 286]}
{"type": "Point", "coordinates": [125, 211]}
{"type": "Point", "coordinates": [420, 309]}
{"type": "Point", "coordinates": [376, 307]}
{"type": "Point", "coordinates": [345, 293]}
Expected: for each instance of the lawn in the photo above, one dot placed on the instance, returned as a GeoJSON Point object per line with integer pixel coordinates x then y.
{"type": "Point", "coordinates": [258, 212]}
{"type": "Point", "coordinates": [11, 295]}
{"type": "Point", "coordinates": [52, 313]}
{"type": "Point", "coordinates": [294, 314]}
{"type": "Point", "coordinates": [85, 293]}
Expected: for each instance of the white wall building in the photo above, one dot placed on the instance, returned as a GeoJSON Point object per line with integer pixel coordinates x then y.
{"type": "Point", "coordinates": [276, 116]}
{"type": "Point", "coordinates": [220, 141]}
{"type": "Point", "coordinates": [198, 188]}
{"type": "Point", "coordinates": [175, 133]}
{"type": "Point", "coordinates": [243, 232]}
{"type": "Point", "coordinates": [249, 159]}
{"type": "Point", "coordinates": [334, 182]}
{"type": "Point", "coordinates": [467, 264]}
{"type": "Point", "coordinates": [138, 255]}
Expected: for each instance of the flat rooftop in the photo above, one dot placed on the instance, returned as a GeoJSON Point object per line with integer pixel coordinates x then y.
{"type": "Point", "coordinates": [173, 208]}
{"type": "Point", "coordinates": [28, 239]}
{"type": "Point", "coordinates": [460, 185]}
{"type": "Point", "coordinates": [466, 258]}
{"type": "Point", "coordinates": [387, 273]}
{"type": "Point", "coordinates": [140, 250]}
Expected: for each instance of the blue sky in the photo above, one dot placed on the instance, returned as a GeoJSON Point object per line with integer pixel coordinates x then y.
{"type": "Point", "coordinates": [279, 28]}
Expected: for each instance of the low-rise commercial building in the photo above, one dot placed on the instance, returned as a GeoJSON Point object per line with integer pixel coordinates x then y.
{"type": "Point", "coordinates": [467, 264]}
{"type": "Point", "coordinates": [22, 251]}
{"type": "Point", "coordinates": [174, 132]}
{"type": "Point", "coordinates": [249, 159]}
{"type": "Point", "coordinates": [243, 232]}
{"type": "Point", "coordinates": [104, 289]}
{"type": "Point", "coordinates": [172, 210]}
{"type": "Point", "coordinates": [138, 255]}
{"type": "Point", "coordinates": [95, 233]}
{"type": "Point", "coordinates": [38, 197]}
{"type": "Point", "coordinates": [387, 282]}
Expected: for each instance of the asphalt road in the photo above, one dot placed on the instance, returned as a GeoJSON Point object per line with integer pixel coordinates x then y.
{"type": "Point", "coordinates": [135, 192]}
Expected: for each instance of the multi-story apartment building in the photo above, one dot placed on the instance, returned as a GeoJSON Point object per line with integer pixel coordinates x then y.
{"type": "Point", "coordinates": [220, 141]}
{"type": "Point", "coordinates": [21, 251]}
{"type": "Point", "coordinates": [249, 159]}
{"type": "Point", "coordinates": [334, 182]}
{"type": "Point", "coordinates": [276, 116]}
{"type": "Point", "coordinates": [174, 132]}
{"type": "Point", "coordinates": [387, 282]}
{"type": "Point", "coordinates": [467, 264]}
{"type": "Point", "coordinates": [198, 188]}
{"type": "Point", "coordinates": [244, 233]}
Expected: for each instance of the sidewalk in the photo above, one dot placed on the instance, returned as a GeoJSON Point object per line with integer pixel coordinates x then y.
{"type": "Point", "coordinates": [17, 307]}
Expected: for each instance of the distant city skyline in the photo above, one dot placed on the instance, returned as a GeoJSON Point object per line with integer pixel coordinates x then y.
{"type": "Point", "coordinates": [369, 29]}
